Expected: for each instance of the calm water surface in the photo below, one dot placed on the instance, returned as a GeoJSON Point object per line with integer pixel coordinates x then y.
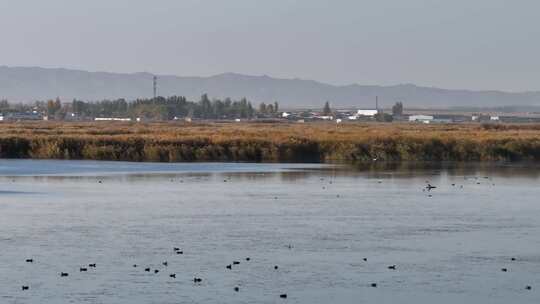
{"type": "Point", "coordinates": [316, 222]}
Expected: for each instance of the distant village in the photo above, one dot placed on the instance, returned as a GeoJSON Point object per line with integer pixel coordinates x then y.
{"type": "Point", "coordinates": [180, 109]}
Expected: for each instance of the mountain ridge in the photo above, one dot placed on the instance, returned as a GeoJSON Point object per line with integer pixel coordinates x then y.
{"type": "Point", "coordinates": [27, 84]}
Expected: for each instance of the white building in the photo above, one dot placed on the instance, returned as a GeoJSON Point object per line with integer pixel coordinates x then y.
{"type": "Point", "coordinates": [494, 118]}
{"type": "Point", "coordinates": [421, 118]}
{"type": "Point", "coordinates": [370, 113]}
{"type": "Point", "coordinates": [363, 113]}
{"type": "Point", "coordinates": [111, 119]}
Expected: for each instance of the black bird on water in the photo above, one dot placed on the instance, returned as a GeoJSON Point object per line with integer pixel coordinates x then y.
{"type": "Point", "coordinates": [147, 269]}
{"type": "Point", "coordinates": [283, 296]}
{"type": "Point", "coordinates": [165, 263]}
{"type": "Point", "coordinates": [528, 287]}
{"type": "Point", "coordinates": [173, 276]}
{"type": "Point", "coordinates": [25, 287]}
{"type": "Point", "coordinates": [392, 267]}
{"type": "Point", "coordinates": [134, 265]}
{"type": "Point", "coordinates": [429, 187]}
{"type": "Point", "coordinates": [513, 259]}
{"type": "Point", "coordinates": [236, 289]}
{"type": "Point", "coordinates": [504, 269]}
{"type": "Point", "coordinates": [82, 269]}
{"type": "Point", "coordinates": [179, 252]}
{"type": "Point", "coordinates": [64, 274]}
{"type": "Point", "coordinates": [248, 259]}
{"type": "Point", "coordinates": [229, 266]}
{"type": "Point", "coordinates": [92, 265]}
{"type": "Point", "coordinates": [276, 267]}
{"type": "Point", "coordinates": [156, 271]}
{"type": "Point", "coordinates": [197, 280]}
{"type": "Point", "coordinates": [374, 285]}
{"type": "Point", "coordinates": [236, 263]}
{"type": "Point", "coordinates": [176, 249]}
{"type": "Point", "coordinates": [29, 260]}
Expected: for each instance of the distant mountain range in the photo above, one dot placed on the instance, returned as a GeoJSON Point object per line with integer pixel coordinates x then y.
{"type": "Point", "coordinates": [32, 83]}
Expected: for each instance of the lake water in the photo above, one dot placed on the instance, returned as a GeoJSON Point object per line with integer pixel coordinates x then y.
{"type": "Point", "coordinates": [316, 222]}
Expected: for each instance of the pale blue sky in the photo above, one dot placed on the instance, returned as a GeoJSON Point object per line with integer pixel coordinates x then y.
{"type": "Point", "coordinates": [472, 44]}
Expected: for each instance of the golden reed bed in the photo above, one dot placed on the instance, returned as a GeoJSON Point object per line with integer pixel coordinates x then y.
{"type": "Point", "coordinates": [269, 142]}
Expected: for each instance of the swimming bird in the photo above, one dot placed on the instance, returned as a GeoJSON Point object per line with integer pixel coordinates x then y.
{"type": "Point", "coordinates": [147, 269]}
{"type": "Point", "coordinates": [248, 259]}
{"type": "Point", "coordinates": [165, 263]}
{"type": "Point", "coordinates": [504, 269]}
{"type": "Point", "coordinates": [276, 267]}
{"type": "Point", "coordinates": [64, 274]}
{"type": "Point", "coordinates": [283, 296]}
{"type": "Point", "coordinates": [528, 287]}
{"type": "Point", "coordinates": [173, 276]}
{"type": "Point", "coordinates": [237, 289]}
{"type": "Point", "coordinates": [236, 263]}
{"type": "Point", "coordinates": [156, 271]}
{"type": "Point", "coordinates": [392, 267]}
{"type": "Point", "coordinates": [176, 249]}
{"type": "Point", "coordinates": [229, 266]}
{"type": "Point", "coordinates": [513, 259]}
{"type": "Point", "coordinates": [365, 259]}
{"type": "Point", "coordinates": [29, 260]}
{"type": "Point", "coordinates": [374, 285]}
{"type": "Point", "coordinates": [82, 269]}
{"type": "Point", "coordinates": [25, 287]}
{"type": "Point", "coordinates": [197, 280]}
{"type": "Point", "coordinates": [92, 265]}
{"type": "Point", "coordinates": [179, 252]}
{"type": "Point", "coordinates": [134, 265]}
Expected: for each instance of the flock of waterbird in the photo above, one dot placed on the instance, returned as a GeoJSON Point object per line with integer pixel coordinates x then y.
{"type": "Point", "coordinates": [176, 251]}
{"type": "Point", "coordinates": [429, 187]}
{"type": "Point", "coordinates": [197, 280]}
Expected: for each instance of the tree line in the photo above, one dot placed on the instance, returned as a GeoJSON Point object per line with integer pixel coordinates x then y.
{"type": "Point", "coordinates": [159, 108]}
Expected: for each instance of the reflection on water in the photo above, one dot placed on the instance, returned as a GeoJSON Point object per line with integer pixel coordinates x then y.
{"type": "Point", "coordinates": [90, 170]}
{"type": "Point", "coordinates": [318, 223]}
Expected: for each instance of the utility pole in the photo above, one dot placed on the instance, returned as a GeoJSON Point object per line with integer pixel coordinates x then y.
{"type": "Point", "coordinates": [155, 87]}
{"type": "Point", "coordinates": [377, 103]}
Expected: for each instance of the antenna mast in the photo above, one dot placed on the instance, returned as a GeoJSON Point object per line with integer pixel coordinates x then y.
{"type": "Point", "coordinates": [155, 87]}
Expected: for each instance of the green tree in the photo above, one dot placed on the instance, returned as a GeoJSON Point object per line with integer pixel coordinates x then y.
{"type": "Point", "coordinates": [397, 109]}
{"type": "Point", "coordinates": [327, 110]}
{"type": "Point", "coordinates": [53, 107]}
{"type": "Point", "coordinates": [383, 117]}
{"type": "Point", "coordinates": [270, 109]}
{"type": "Point", "coordinates": [262, 108]}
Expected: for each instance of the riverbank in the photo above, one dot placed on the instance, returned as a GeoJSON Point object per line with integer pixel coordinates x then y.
{"type": "Point", "coordinates": [258, 142]}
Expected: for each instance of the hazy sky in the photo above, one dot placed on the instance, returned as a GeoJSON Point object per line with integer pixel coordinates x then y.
{"type": "Point", "coordinates": [473, 44]}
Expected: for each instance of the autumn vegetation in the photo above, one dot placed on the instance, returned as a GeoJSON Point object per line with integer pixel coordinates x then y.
{"type": "Point", "coordinates": [269, 142]}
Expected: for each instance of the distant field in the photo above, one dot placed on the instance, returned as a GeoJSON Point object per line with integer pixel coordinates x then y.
{"type": "Point", "coordinates": [262, 142]}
